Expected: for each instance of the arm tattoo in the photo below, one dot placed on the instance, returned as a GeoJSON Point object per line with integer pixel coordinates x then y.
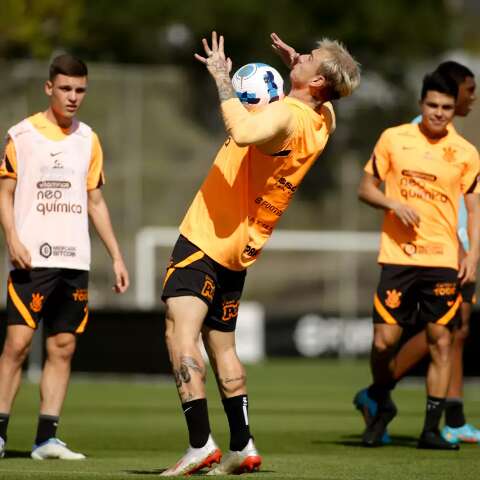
{"type": "Point", "coordinates": [225, 88]}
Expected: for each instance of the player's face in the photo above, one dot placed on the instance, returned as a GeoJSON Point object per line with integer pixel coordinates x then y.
{"type": "Point", "coordinates": [438, 110]}
{"type": "Point", "coordinates": [306, 67]}
{"type": "Point", "coordinates": [466, 97]}
{"type": "Point", "coordinates": [66, 95]}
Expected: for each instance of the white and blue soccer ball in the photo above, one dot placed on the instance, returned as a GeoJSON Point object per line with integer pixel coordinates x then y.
{"type": "Point", "coordinates": [257, 84]}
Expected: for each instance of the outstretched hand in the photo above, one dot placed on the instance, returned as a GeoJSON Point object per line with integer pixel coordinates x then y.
{"type": "Point", "coordinates": [215, 60]}
{"type": "Point", "coordinates": [287, 53]}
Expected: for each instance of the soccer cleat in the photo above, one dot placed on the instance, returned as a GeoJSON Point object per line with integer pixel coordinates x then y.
{"type": "Point", "coordinates": [195, 459]}
{"type": "Point", "coordinates": [54, 448]}
{"type": "Point", "coordinates": [246, 460]}
{"type": "Point", "coordinates": [375, 431]}
{"type": "Point", "coordinates": [466, 433]}
{"type": "Point", "coordinates": [2, 447]}
{"type": "Point", "coordinates": [368, 408]}
{"type": "Point", "coordinates": [434, 441]}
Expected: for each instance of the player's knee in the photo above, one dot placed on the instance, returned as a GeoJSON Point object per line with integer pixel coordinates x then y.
{"type": "Point", "coordinates": [16, 350]}
{"type": "Point", "coordinates": [61, 349]}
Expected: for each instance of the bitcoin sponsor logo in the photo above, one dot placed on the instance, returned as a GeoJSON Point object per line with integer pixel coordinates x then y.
{"type": "Point", "coordinates": [230, 310]}
{"type": "Point", "coordinates": [417, 188]}
{"type": "Point", "coordinates": [431, 249]}
{"type": "Point", "coordinates": [445, 289]}
{"type": "Point", "coordinates": [45, 250]}
{"type": "Point", "coordinates": [80, 295]}
{"type": "Point", "coordinates": [393, 298]}
{"type": "Point", "coordinates": [251, 251]}
{"type": "Point", "coordinates": [50, 196]}
{"type": "Point", "coordinates": [37, 302]}
{"type": "Point", "coordinates": [268, 206]}
{"type": "Point", "coordinates": [208, 289]}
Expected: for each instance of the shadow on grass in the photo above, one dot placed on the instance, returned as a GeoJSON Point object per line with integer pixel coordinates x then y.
{"type": "Point", "coordinates": [356, 441]}
{"type": "Point", "coordinates": [16, 454]}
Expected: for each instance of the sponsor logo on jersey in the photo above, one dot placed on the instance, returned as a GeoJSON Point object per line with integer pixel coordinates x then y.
{"type": "Point", "coordinates": [393, 298]}
{"type": "Point", "coordinates": [37, 302]}
{"type": "Point", "coordinates": [230, 310]}
{"type": "Point", "coordinates": [251, 251]}
{"type": "Point", "coordinates": [268, 206]}
{"type": "Point", "coordinates": [431, 249]}
{"type": "Point", "coordinates": [418, 188]}
{"type": "Point", "coordinates": [208, 289]}
{"type": "Point", "coordinates": [45, 250]}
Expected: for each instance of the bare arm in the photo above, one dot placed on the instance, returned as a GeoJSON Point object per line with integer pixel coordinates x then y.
{"type": "Point", "coordinates": [19, 255]}
{"type": "Point", "coordinates": [468, 264]}
{"type": "Point", "coordinates": [98, 211]}
{"type": "Point", "coordinates": [272, 125]}
{"type": "Point", "coordinates": [369, 192]}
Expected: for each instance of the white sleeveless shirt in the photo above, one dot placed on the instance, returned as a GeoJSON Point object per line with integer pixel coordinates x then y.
{"type": "Point", "coordinates": [51, 200]}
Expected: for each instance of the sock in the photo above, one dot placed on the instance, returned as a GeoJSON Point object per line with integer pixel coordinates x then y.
{"type": "Point", "coordinates": [381, 393]}
{"type": "Point", "coordinates": [4, 417]}
{"type": "Point", "coordinates": [236, 409]}
{"type": "Point", "coordinates": [196, 415]}
{"type": "Point", "coordinates": [47, 428]}
{"type": "Point", "coordinates": [433, 414]}
{"type": "Point", "coordinates": [454, 414]}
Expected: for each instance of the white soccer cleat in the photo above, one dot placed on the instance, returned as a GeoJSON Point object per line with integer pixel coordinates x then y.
{"type": "Point", "coordinates": [2, 447]}
{"type": "Point", "coordinates": [246, 460]}
{"type": "Point", "coordinates": [195, 459]}
{"type": "Point", "coordinates": [54, 448]}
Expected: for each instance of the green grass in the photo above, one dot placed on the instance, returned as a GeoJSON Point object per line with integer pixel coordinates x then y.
{"type": "Point", "coordinates": [301, 415]}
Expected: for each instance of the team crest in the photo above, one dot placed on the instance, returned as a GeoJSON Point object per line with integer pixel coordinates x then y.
{"type": "Point", "coordinates": [37, 302]}
{"type": "Point", "coordinates": [393, 298]}
{"type": "Point", "coordinates": [230, 310]}
{"type": "Point", "coordinates": [208, 289]}
{"type": "Point", "coordinates": [449, 154]}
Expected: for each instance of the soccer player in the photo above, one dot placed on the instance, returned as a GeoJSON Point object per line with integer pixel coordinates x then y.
{"type": "Point", "coordinates": [50, 182]}
{"type": "Point", "coordinates": [456, 428]}
{"type": "Point", "coordinates": [425, 168]}
{"type": "Point", "coordinates": [252, 180]}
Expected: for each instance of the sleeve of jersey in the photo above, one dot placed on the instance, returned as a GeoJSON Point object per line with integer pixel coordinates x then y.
{"type": "Point", "coordinates": [96, 177]}
{"type": "Point", "coordinates": [379, 162]}
{"type": "Point", "coordinates": [470, 181]}
{"type": "Point", "coordinates": [275, 122]}
{"type": "Point", "coordinates": [8, 167]}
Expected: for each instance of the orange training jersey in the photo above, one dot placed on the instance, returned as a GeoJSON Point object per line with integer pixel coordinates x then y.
{"type": "Point", "coordinates": [428, 175]}
{"type": "Point", "coordinates": [247, 191]}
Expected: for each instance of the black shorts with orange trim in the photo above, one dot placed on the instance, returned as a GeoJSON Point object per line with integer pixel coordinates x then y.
{"type": "Point", "coordinates": [408, 295]}
{"type": "Point", "coordinates": [58, 296]}
{"type": "Point", "coordinates": [467, 291]}
{"type": "Point", "coordinates": [193, 273]}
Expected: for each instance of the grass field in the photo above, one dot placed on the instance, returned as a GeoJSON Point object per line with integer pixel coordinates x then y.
{"type": "Point", "coordinates": [301, 415]}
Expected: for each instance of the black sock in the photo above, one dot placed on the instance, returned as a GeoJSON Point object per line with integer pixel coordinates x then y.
{"type": "Point", "coordinates": [196, 415]}
{"type": "Point", "coordinates": [381, 393]}
{"type": "Point", "coordinates": [47, 428]}
{"type": "Point", "coordinates": [433, 414]}
{"type": "Point", "coordinates": [4, 417]}
{"type": "Point", "coordinates": [236, 409]}
{"type": "Point", "coordinates": [454, 414]}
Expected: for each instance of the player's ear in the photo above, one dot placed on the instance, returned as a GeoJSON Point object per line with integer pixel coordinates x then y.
{"type": "Point", "coordinates": [48, 88]}
{"type": "Point", "coordinates": [318, 87]}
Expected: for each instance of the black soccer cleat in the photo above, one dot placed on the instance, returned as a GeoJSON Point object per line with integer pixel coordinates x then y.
{"type": "Point", "coordinates": [434, 441]}
{"type": "Point", "coordinates": [373, 434]}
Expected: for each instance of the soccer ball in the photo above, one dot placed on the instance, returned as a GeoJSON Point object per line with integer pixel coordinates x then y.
{"type": "Point", "coordinates": [257, 84]}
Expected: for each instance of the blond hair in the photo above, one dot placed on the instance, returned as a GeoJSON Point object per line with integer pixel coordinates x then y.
{"type": "Point", "coordinates": [340, 69]}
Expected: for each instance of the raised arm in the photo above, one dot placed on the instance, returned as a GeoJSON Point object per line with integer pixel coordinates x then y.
{"type": "Point", "coordinates": [369, 192]}
{"type": "Point", "coordinates": [272, 125]}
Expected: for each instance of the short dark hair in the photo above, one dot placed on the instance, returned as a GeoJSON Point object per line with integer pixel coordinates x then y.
{"type": "Point", "coordinates": [439, 83]}
{"type": "Point", "coordinates": [68, 65]}
{"type": "Point", "coordinates": [455, 70]}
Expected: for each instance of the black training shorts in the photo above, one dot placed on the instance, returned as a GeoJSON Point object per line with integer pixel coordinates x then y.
{"type": "Point", "coordinates": [408, 295]}
{"type": "Point", "coordinates": [193, 273]}
{"type": "Point", "coordinates": [58, 296]}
